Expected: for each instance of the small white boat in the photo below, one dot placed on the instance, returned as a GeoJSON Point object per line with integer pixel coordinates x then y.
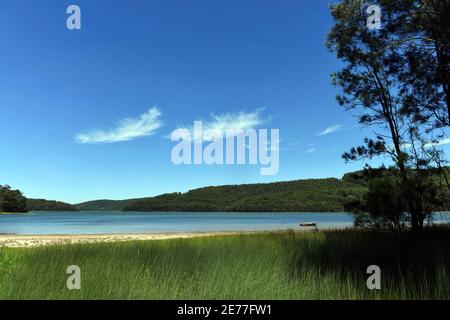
{"type": "Point", "coordinates": [308, 224]}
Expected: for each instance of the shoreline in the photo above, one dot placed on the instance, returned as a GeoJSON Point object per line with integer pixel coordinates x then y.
{"type": "Point", "coordinates": [29, 241]}
{"type": "Point", "coordinates": [9, 213]}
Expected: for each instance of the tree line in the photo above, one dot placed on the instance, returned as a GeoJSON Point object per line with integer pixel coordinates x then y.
{"type": "Point", "coordinates": [12, 200]}
{"type": "Point", "coordinates": [309, 195]}
{"type": "Point", "coordinates": [49, 205]}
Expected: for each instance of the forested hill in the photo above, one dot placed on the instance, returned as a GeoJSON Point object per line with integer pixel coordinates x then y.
{"type": "Point", "coordinates": [13, 201]}
{"type": "Point", "coordinates": [313, 195]}
{"type": "Point", "coordinates": [104, 205]}
{"type": "Point", "coordinates": [49, 205]}
{"type": "Point", "coordinates": [302, 195]}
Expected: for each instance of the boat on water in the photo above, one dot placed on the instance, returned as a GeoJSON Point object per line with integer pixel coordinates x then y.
{"type": "Point", "coordinates": [308, 224]}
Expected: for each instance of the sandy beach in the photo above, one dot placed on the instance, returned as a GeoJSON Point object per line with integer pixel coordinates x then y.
{"type": "Point", "coordinates": [27, 241]}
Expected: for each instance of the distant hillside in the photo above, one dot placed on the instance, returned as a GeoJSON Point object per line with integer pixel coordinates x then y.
{"type": "Point", "coordinates": [313, 195]}
{"type": "Point", "coordinates": [49, 205]}
{"type": "Point", "coordinates": [104, 205]}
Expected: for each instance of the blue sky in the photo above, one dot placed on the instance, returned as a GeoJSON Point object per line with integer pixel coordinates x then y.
{"type": "Point", "coordinates": [186, 59]}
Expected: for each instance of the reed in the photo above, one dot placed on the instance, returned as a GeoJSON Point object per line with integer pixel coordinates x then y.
{"type": "Point", "coordinates": [279, 265]}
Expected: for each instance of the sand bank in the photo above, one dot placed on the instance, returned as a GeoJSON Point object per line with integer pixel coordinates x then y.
{"type": "Point", "coordinates": [18, 241]}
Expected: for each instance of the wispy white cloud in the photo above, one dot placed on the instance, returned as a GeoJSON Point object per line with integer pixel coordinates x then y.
{"type": "Point", "coordinates": [331, 129]}
{"type": "Point", "coordinates": [271, 145]}
{"type": "Point", "coordinates": [438, 143]}
{"type": "Point", "coordinates": [223, 125]}
{"type": "Point", "coordinates": [311, 150]}
{"type": "Point", "coordinates": [126, 129]}
{"type": "Point", "coordinates": [432, 144]}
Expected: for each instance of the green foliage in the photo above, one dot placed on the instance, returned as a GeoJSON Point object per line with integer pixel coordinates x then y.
{"type": "Point", "coordinates": [49, 205]}
{"type": "Point", "coordinates": [395, 80]}
{"type": "Point", "coordinates": [12, 200]}
{"type": "Point", "coordinates": [383, 205]}
{"type": "Point", "coordinates": [314, 195]}
{"type": "Point", "coordinates": [284, 265]}
{"type": "Point", "coordinates": [103, 205]}
{"type": "Point", "coordinates": [436, 192]}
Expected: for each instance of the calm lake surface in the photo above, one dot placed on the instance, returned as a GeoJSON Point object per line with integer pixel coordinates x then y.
{"type": "Point", "coordinates": [157, 222]}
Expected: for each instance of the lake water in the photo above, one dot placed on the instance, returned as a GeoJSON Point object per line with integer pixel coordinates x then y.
{"type": "Point", "coordinates": [157, 222]}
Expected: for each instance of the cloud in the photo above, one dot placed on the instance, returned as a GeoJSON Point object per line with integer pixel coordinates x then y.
{"type": "Point", "coordinates": [126, 130]}
{"type": "Point", "coordinates": [438, 143]}
{"type": "Point", "coordinates": [331, 129]}
{"type": "Point", "coordinates": [310, 150]}
{"type": "Point", "coordinates": [222, 125]}
{"type": "Point", "coordinates": [432, 144]}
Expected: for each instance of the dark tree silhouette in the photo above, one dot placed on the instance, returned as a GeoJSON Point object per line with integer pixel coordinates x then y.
{"type": "Point", "coordinates": [377, 85]}
{"type": "Point", "coordinates": [12, 200]}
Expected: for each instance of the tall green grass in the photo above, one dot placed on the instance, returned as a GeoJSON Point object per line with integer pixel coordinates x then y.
{"type": "Point", "coordinates": [282, 265]}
